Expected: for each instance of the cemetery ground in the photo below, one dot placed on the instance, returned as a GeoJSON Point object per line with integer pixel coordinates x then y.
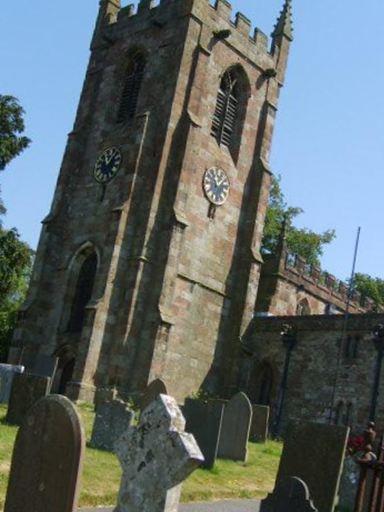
{"type": "Point", "coordinates": [101, 475]}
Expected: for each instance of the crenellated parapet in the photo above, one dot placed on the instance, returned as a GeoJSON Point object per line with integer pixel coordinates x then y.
{"type": "Point", "coordinates": [289, 286]}
{"type": "Point", "coordinates": [235, 28]}
{"type": "Point", "coordinates": [296, 267]}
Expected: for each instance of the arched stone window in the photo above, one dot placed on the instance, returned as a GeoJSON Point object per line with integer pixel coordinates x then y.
{"type": "Point", "coordinates": [303, 308]}
{"type": "Point", "coordinates": [230, 108]}
{"type": "Point", "coordinates": [131, 88]}
{"type": "Point", "coordinates": [83, 293]}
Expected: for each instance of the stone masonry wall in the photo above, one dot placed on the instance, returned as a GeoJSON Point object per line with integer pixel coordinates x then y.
{"type": "Point", "coordinates": [211, 284]}
{"type": "Point", "coordinates": [313, 366]}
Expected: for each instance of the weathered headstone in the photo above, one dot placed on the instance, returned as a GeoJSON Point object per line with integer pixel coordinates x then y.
{"type": "Point", "coordinates": [203, 420]}
{"type": "Point", "coordinates": [290, 495]}
{"type": "Point", "coordinates": [235, 428]}
{"type": "Point", "coordinates": [152, 393]}
{"type": "Point", "coordinates": [112, 419]}
{"type": "Point", "coordinates": [46, 459]}
{"type": "Point", "coordinates": [7, 372]}
{"type": "Point", "coordinates": [156, 457]}
{"type": "Point", "coordinates": [259, 424]}
{"type": "Point", "coordinates": [26, 391]}
{"type": "Point", "coordinates": [315, 453]}
{"type": "Point", "coordinates": [40, 364]}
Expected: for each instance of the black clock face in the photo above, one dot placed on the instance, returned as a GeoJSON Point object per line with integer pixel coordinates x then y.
{"type": "Point", "coordinates": [107, 165]}
{"type": "Point", "coordinates": [216, 186]}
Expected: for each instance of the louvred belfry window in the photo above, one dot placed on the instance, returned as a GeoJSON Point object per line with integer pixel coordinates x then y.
{"type": "Point", "coordinates": [131, 89]}
{"type": "Point", "coordinates": [227, 108]}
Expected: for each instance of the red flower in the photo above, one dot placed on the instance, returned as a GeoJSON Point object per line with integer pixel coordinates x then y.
{"type": "Point", "coordinates": [356, 444]}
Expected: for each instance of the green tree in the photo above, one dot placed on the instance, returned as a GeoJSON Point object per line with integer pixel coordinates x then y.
{"type": "Point", "coordinates": [15, 259]}
{"type": "Point", "coordinates": [15, 255]}
{"type": "Point", "coordinates": [301, 241]}
{"type": "Point", "coordinates": [308, 244]}
{"type": "Point", "coordinates": [12, 140]}
{"type": "Point", "coordinates": [372, 287]}
{"type": "Point", "coordinates": [15, 267]}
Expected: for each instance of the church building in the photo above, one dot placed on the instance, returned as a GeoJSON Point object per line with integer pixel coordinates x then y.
{"type": "Point", "coordinates": [149, 262]}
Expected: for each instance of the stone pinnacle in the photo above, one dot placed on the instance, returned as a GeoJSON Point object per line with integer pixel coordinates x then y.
{"type": "Point", "coordinates": [284, 25]}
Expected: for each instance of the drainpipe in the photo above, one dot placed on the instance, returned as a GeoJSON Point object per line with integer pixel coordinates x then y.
{"type": "Point", "coordinates": [378, 339]}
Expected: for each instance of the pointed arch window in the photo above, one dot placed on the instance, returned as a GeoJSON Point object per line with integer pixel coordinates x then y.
{"type": "Point", "coordinates": [83, 293]}
{"type": "Point", "coordinates": [227, 108]}
{"type": "Point", "coordinates": [131, 88]}
{"type": "Point", "coordinates": [303, 308]}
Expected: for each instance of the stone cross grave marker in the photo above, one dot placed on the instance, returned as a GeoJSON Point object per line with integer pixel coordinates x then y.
{"type": "Point", "coordinates": [156, 457]}
{"type": "Point", "coordinates": [235, 428]}
{"type": "Point", "coordinates": [7, 372]}
{"type": "Point", "coordinates": [152, 393]}
{"type": "Point", "coordinates": [204, 421]}
{"type": "Point", "coordinates": [111, 421]}
{"type": "Point", "coordinates": [26, 391]}
{"type": "Point", "coordinates": [315, 453]}
{"type": "Point", "coordinates": [289, 495]}
{"type": "Point", "coordinates": [46, 459]}
{"type": "Point", "coordinates": [259, 425]}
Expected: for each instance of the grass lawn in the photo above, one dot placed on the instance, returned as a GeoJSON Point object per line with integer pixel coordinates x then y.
{"type": "Point", "coordinates": [101, 473]}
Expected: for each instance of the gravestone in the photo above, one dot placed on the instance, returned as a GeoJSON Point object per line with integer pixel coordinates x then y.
{"type": "Point", "coordinates": [156, 457]}
{"type": "Point", "coordinates": [7, 372]}
{"type": "Point", "coordinates": [203, 420]}
{"type": "Point", "coordinates": [152, 393]}
{"type": "Point", "coordinates": [40, 364]}
{"type": "Point", "coordinates": [315, 453]}
{"type": "Point", "coordinates": [111, 421]}
{"type": "Point", "coordinates": [259, 424]}
{"type": "Point", "coordinates": [26, 391]}
{"type": "Point", "coordinates": [235, 428]}
{"type": "Point", "coordinates": [46, 460]}
{"type": "Point", "coordinates": [290, 495]}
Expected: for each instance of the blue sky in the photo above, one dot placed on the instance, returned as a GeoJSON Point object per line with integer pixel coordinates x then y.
{"type": "Point", "coordinates": [329, 139]}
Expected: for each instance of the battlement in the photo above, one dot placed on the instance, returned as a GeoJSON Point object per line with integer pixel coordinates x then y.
{"type": "Point", "coordinates": [339, 290]}
{"type": "Point", "coordinates": [234, 27]}
{"type": "Point", "coordinates": [289, 286]}
{"type": "Point", "coordinates": [241, 23]}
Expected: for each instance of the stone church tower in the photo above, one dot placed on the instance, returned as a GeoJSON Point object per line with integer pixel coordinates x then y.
{"type": "Point", "coordinates": [149, 260]}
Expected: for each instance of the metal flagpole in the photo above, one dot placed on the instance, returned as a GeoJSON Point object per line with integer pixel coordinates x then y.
{"type": "Point", "coordinates": [345, 323]}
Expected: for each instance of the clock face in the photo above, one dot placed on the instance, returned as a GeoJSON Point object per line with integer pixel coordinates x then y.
{"type": "Point", "coordinates": [107, 165]}
{"type": "Point", "coordinates": [216, 186]}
